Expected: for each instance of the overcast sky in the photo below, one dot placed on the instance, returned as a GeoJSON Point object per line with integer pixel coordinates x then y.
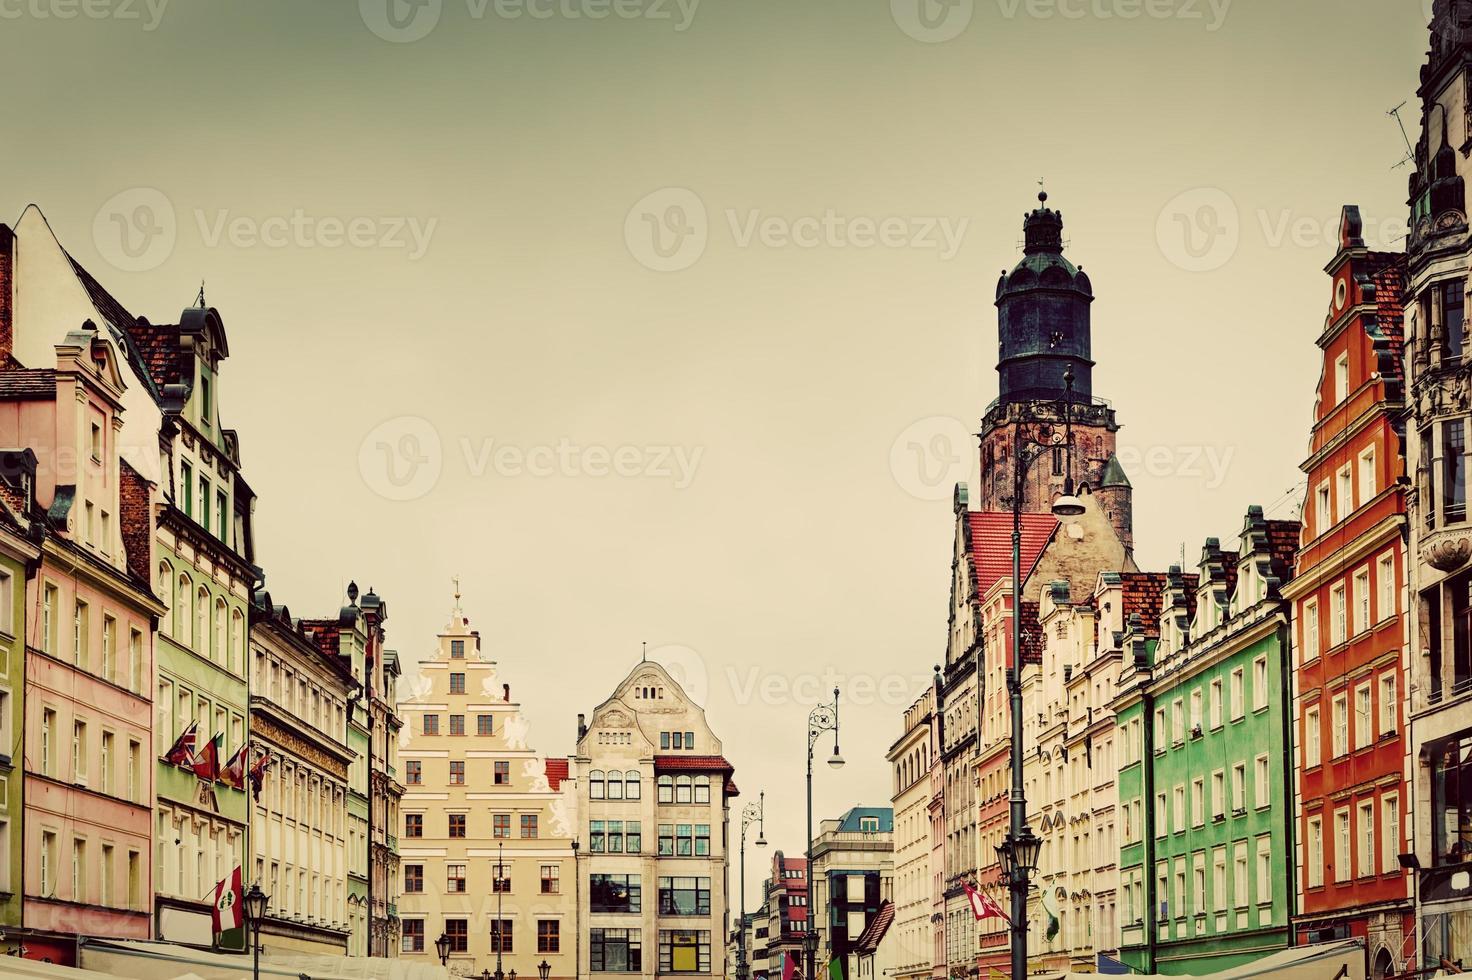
{"type": "Point", "coordinates": [668, 325]}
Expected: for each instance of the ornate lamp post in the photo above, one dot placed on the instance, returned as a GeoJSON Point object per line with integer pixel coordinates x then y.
{"type": "Point", "coordinates": [823, 718]}
{"type": "Point", "coordinates": [255, 911]}
{"type": "Point", "coordinates": [496, 928]}
{"type": "Point", "coordinates": [544, 969]}
{"type": "Point", "coordinates": [1019, 853]}
{"type": "Point", "coordinates": [442, 948]}
{"type": "Point", "coordinates": [752, 813]}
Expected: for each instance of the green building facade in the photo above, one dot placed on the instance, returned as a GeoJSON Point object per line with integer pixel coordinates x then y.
{"type": "Point", "coordinates": [1205, 784]}
{"type": "Point", "coordinates": [205, 575]}
{"type": "Point", "coordinates": [19, 557]}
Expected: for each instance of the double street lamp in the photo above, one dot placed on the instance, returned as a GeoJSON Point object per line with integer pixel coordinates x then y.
{"type": "Point", "coordinates": [752, 813]}
{"type": "Point", "coordinates": [823, 718]}
{"type": "Point", "coordinates": [1018, 854]}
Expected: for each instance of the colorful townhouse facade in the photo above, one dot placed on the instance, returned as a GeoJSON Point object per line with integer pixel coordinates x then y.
{"type": "Point", "coordinates": [789, 917]}
{"type": "Point", "coordinates": [1207, 735]}
{"type": "Point", "coordinates": [20, 554]}
{"type": "Point", "coordinates": [1438, 414]}
{"type": "Point", "coordinates": [487, 849]}
{"type": "Point", "coordinates": [663, 908]}
{"type": "Point", "coordinates": [88, 781]}
{"type": "Point", "coordinates": [299, 817]}
{"type": "Point", "coordinates": [1352, 658]}
{"type": "Point", "coordinates": [910, 758]}
{"type": "Point", "coordinates": [852, 884]}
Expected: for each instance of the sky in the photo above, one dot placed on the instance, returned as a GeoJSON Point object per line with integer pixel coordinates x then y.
{"type": "Point", "coordinates": [667, 323]}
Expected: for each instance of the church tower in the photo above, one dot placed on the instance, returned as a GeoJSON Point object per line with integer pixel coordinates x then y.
{"type": "Point", "coordinates": [1043, 332]}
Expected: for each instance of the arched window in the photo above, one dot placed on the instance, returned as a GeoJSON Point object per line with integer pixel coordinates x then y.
{"type": "Point", "coordinates": [202, 622]}
{"type": "Point", "coordinates": [615, 786]}
{"type": "Point", "coordinates": [702, 789]}
{"type": "Point", "coordinates": [665, 789]}
{"type": "Point", "coordinates": [595, 784]}
{"type": "Point", "coordinates": [166, 595]}
{"type": "Point", "coordinates": [221, 648]}
{"type": "Point", "coordinates": [682, 789]}
{"type": "Point", "coordinates": [182, 615]}
{"type": "Point", "coordinates": [237, 641]}
{"type": "Point", "coordinates": [631, 784]}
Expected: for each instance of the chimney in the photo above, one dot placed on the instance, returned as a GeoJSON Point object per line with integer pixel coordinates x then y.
{"type": "Point", "coordinates": [582, 726]}
{"type": "Point", "coordinates": [7, 293]}
{"type": "Point", "coordinates": [506, 693]}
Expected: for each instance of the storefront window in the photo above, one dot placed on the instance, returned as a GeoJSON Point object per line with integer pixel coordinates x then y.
{"type": "Point", "coordinates": [1451, 803]}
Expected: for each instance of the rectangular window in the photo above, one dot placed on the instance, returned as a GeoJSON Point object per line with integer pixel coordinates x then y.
{"type": "Point", "coordinates": [457, 683]}
{"type": "Point", "coordinates": [1341, 845]}
{"type": "Point", "coordinates": [1216, 703]}
{"type": "Point", "coordinates": [1346, 492]}
{"type": "Point", "coordinates": [1264, 870]}
{"type": "Point", "coordinates": [1453, 471]}
{"type": "Point", "coordinates": [1339, 623]}
{"type": "Point", "coordinates": [458, 931]}
{"type": "Point", "coordinates": [1367, 838]}
{"type": "Point", "coordinates": [615, 893]}
{"type": "Point", "coordinates": [1312, 747]}
{"type": "Point", "coordinates": [1259, 683]}
{"type": "Point", "coordinates": [1177, 721]}
{"type": "Point", "coordinates": [1390, 832]}
{"type": "Point", "coordinates": [1341, 378]}
{"type": "Point", "coordinates": [1179, 814]}
{"type": "Point", "coordinates": [1238, 704]}
{"type": "Point", "coordinates": [79, 752]}
{"type": "Point", "coordinates": [1240, 896]}
{"type": "Point", "coordinates": [1239, 788]}
{"type": "Point", "coordinates": [457, 724]}
{"type": "Point", "coordinates": [1310, 629]}
{"type": "Point", "coordinates": [684, 896]}
{"type": "Point", "coordinates": [1261, 788]}
{"type": "Point", "coordinates": [1219, 879]}
{"type": "Point", "coordinates": [204, 503]}
{"type": "Point", "coordinates": [105, 764]}
{"type": "Point", "coordinates": [549, 936]}
{"type": "Point", "coordinates": [48, 742]}
{"type": "Point", "coordinates": [1198, 802]}
{"type": "Point", "coordinates": [666, 840]}
{"type": "Point", "coordinates": [412, 937]}
{"type": "Point", "coordinates": [1315, 852]}
{"type": "Point", "coordinates": [1389, 704]}
{"type": "Point", "coordinates": [1323, 512]}
{"type": "Point", "coordinates": [501, 878]}
{"type": "Point", "coordinates": [1162, 821]}
{"type": "Point", "coordinates": [413, 825]}
{"type": "Point", "coordinates": [109, 650]}
{"type": "Point", "coordinates": [1364, 718]}
{"type": "Point", "coordinates": [551, 879]}
{"type": "Point", "coordinates": [457, 649]}
{"type": "Point", "coordinates": [615, 951]}
{"type": "Point", "coordinates": [501, 826]}
{"type": "Point", "coordinates": [413, 772]}
{"type": "Point", "coordinates": [502, 937]}
{"type": "Point", "coordinates": [80, 635]}
{"type": "Point", "coordinates": [528, 826]}
{"type": "Point", "coordinates": [483, 725]}
{"type": "Point", "coordinates": [186, 487]}
{"type": "Point", "coordinates": [684, 951]}
{"type": "Point", "coordinates": [413, 878]}
{"type": "Point", "coordinates": [1341, 725]}
{"type": "Point", "coordinates": [1453, 303]}
{"type": "Point", "coordinates": [1195, 712]}
{"type": "Point", "coordinates": [1385, 578]}
{"type": "Point", "coordinates": [222, 511]}
{"type": "Point", "coordinates": [457, 772]}
{"type": "Point", "coordinates": [431, 724]}
{"type": "Point", "coordinates": [1361, 600]}
{"type": "Point", "coordinates": [1368, 487]}
{"type": "Point", "coordinates": [455, 879]}
{"type": "Point", "coordinates": [1218, 793]}
{"type": "Point", "coordinates": [502, 773]}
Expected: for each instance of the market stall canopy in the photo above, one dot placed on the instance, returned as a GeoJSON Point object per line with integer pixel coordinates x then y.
{"type": "Point", "coordinates": [163, 961]}
{"type": "Point", "coordinates": [1324, 961]}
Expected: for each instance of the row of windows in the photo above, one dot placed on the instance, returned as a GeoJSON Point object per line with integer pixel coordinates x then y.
{"type": "Point", "coordinates": [669, 789]}
{"type": "Point", "coordinates": [623, 894]}
{"type": "Point", "coordinates": [177, 707]}
{"type": "Point", "coordinates": [1174, 814]}
{"type": "Point", "coordinates": [1351, 611]}
{"type": "Point", "coordinates": [198, 506]}
{"type": "Point", "coordinates": [86, 883]}
{"type": "Point", "coordinates": [99, 763]}
{"type": "Point", "coordinates": [502, 934]}
{"type": "Point", "coordinates": [121, 665]}
{"type": "Point", "coordinates": [1333, 505]}
{"type": "Point", "coordinates": [301, 695]}
{"type": "Point", "coordinates": [1357, 850]}
{"type": "Point", "coordinates": [484, 724]}
{"type": "Point", "coordinates": [501, 878]}
{"type": "Point", "coordinates": [1173, 723]}
{"type": "Point", "coordinates": [414, 772]}
{"type": "Point", "coordinates": [188, 620]}
{"type": "Point", "coordinates": [1369, 723]}
{"type": "Point", "coordinates": [676, 740]}
{"type": "Point", "coordinates": [457, 825]}
{"type": "Point", "coordinates": [1181, 885]}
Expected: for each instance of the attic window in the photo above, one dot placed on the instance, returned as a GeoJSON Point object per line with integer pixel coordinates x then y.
{"type": "Point", "coordinates": [96, 443]}
{"type": "Point", "coordinates": [204, 400]}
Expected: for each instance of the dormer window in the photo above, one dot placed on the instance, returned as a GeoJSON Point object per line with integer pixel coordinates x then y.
{"type": "Point", "coordinates": [96, 443]}
{"type": "Point", "coordinates": [204, 400]}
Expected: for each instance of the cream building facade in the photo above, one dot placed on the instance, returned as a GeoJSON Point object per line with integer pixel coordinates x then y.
{"type": "Point", "coordinates": [299, 816]}
{"type": "Point", "coordinates": [654, 797]}
{"type": "Point", "coordinates": [487, 846]}
{"type": "Point", "coordinates": [911, 757]}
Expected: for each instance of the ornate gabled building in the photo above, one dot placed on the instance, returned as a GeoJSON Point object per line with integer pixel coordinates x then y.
{"type": "Point", "coordinates": [661, 906]}
{"type": "Point", "coordinates": [299, 825]}
{"type": "Point", "coordinates": [1351, 659]}
{"type": "Point", "coordinates": [488, 847]}
{"type": "Point", "coordinates": [1205, 738]}
{"type": "Point", "coordinates": [1437, 419]}
{"type": "Point", "coordinates": [911, 758]}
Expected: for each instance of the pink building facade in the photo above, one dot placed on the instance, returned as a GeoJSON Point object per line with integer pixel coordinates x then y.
{"type": "Point", "coordinates": [91, 615]}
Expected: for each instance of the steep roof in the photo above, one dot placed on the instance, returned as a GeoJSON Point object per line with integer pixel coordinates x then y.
{"type": "Point", "coordinates": [1114, 474]}
{"type": "Point", "coordinates": [850, 820]}
{"type": "Point", "coordinates": [868, 942]}
{"type": "Point", "coordinates": [27, 383]}
{"type": "Point", "coordinates": [121, 322]}
{"type": "Point", "coordinates": [1143, 593]}
{"type": "Point", "coordinates": [692, 763]}
{"type": "Point", "coordinates": [556, 770]}
{"type": "Point", "coordinates": [991, 545]}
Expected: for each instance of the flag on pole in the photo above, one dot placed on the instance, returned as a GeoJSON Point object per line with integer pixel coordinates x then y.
{"type": "Point", "coordinates": [789, 966]}
{"type": "Point", "coordinates": [258, 772]}
{"type": "Point", "coordinates": [835, 969]}
{"type": "Point", "coordinates": [983, 906]}
{"type": "Point", "coordinates": [206, 763]}
{"type": "Point", "coordinates": [233, 774]}
{"type": "Point", "coordinates": [228, 908]}
{"type": "Point", "coordinates": [182, 751]}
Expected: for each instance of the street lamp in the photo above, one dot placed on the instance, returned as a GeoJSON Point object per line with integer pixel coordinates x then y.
{"type": "Point", "coordinates": [255, 910]}
{"type": "Point", "coordinates": [823, 718]}
{"type": "Point", "coordinates": [496, 929]}
{"type": "Point", "coordinates": [1019, 854]}
{"type": "Point", "coordinates": [442, 948]}
{"type": "Point", "coordinates": [543, 970]}
{"type": "Point", "coordinates": [752, 813]}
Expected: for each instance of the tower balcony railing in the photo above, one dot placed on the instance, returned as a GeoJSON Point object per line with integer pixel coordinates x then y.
{"type": "Point", "coordinates": [1094, 402]}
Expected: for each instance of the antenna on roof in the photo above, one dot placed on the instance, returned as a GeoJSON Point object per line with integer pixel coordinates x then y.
{"type": "Point", "coordinates": [1410, 152]}
{"type": "Point", "coordinates": [644, 652]}
{"type": "Point", "coordinates": [199, 300]}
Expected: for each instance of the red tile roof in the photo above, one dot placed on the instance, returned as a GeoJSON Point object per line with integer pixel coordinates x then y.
{"type": "Point", "coordinates": [1390, 281]}
{"type": "Point", "coordinates": [873, 934]}
{"type": "Point", "coordinates": [692, 763]}
{"type": "Point", "coordinates": [135, 522]}
{"type": "Point", "coordinates": [1032, 635]}
{"type": "Point", "coordinates": [26, 383]}
{"type": "Point", "coordinates": [1143, 593]}
{"type": "Point", "coordinates": [556, 770]}
{"type": "Point", "coordinates": [991, 545]}
{"type": "Point", "coordinates": [158, 346]}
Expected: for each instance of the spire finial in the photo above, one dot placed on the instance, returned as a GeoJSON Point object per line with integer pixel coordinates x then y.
{"type": "Point", "coordinates": [1042, 190]}
{"type": "Point", "coordinates": [456, 580]}
{"type": "Point", "coordinates": [199, 300]}
{"type": "Point", "coordinates": [644, 652]}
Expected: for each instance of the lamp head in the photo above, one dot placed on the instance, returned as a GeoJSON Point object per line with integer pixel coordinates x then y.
{"type": "Point", "coordinates": [1068, 508]}
{"type": "Point", "coordinates": [255, 903]}
{"type": "Point", "coordinates": [836, 760]}
{"type": "Point", "coordinates": [761, 839]}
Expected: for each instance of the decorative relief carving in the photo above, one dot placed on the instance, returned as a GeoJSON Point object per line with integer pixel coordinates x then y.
{"type": "Point", "coordinates": [1447, 551]}
{"type": "Point", "coordinates": [295, 745]}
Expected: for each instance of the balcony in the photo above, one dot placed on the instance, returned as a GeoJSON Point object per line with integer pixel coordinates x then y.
{"type": "Point", "coordinates": [1447, 548]}
{"type": "Point", "coordinates": [393, 843]}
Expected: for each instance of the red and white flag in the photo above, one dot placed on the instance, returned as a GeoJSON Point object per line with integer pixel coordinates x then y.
{"type": "Point", "coordinates": [228, 907]}
{"type": "Point", "coordinates": [983, 906]}
{"type": "Point", "coordinates": [182, 751]}
{"type": "Point", "coordinates": [233, 774]}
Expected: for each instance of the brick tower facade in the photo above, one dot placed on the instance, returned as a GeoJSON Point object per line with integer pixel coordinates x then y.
{"type": "Point", "coordinates": [1043, 330]}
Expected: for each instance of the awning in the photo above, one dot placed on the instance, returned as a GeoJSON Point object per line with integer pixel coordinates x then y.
{"type": "Point", "coordinates": [164, 961]}
{"type": "Point", "coordinates": [1322, 961]}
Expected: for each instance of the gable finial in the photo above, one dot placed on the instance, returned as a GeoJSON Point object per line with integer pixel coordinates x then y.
{"type": "Point", "coordinates": [644, 652]}
{"type": "Point", "coordinates": [199, 300]}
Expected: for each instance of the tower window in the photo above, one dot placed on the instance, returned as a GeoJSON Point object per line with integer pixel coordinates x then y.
{"type": "Point", "coordinates": [1057, 460]}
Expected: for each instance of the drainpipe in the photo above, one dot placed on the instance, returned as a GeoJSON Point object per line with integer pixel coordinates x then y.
{"type": "Point", "coordinates": [1147, 771]}
{"type": "Point", "coordinates": [1290, 753]}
